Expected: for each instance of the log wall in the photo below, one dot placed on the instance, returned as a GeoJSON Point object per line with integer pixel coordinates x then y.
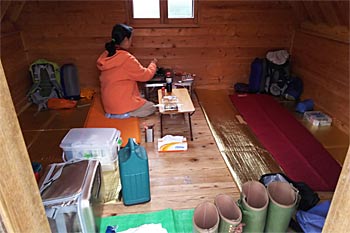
{"type": "Point", "coordinates": [323, 64]}
{"type": "Point", "coordinates": [219, 51]}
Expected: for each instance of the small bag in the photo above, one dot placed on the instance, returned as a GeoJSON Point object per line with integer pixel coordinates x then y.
{"type": "Point", "coordinates": [69, 192]}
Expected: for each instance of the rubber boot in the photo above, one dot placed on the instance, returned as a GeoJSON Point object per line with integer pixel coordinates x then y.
{"type": "Point", "coordinates": [283, 203]}
{"type": "Point", "coordinates": [253, 203]}
{"type": "Point", "coordinates": [205, 218]}
{"type": "Point", "coordinates": [230, 214]}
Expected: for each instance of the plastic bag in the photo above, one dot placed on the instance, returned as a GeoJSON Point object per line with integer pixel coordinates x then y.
{"type": "Point", "coordinates": [309, 198]}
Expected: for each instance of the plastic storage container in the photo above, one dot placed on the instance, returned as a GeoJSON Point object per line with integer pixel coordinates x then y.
{"type": "Point", "coordinates": [70, 203]}
{"type": "Point", "coordinates": [134, 174]}
{"type": "Point", "coordinates": [92, 143]}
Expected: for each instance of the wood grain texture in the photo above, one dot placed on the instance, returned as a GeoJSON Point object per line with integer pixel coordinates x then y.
{"type": "Point", "coordinates": [21, 209]}
{"type": "Point", "coordinates": [15, 65]}
{"type": "Point", "coordinates": [340, 207]}
{"type": "Point", "coordinates": [179, 180]}
{"type": "Point", "coordinates": [230, 33]}
{"type": "Point", "coordinates": [323, 66]}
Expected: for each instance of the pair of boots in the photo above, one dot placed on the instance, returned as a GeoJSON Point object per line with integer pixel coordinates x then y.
{"type": "Point", "coordinates": [223, 217]}
{"type": "Point", "coordinates": [267, 209]}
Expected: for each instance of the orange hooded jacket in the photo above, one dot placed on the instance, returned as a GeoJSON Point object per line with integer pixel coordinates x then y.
{"type": "Point", "coordinates": [119, 75]}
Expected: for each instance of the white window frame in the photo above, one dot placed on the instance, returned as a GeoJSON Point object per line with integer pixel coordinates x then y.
{"type": "Point", "coordinates": [163, 21]}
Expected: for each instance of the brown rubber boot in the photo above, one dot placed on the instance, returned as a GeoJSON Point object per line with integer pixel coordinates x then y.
{"type": "Point", "coordinates": [205, 218]}
{"type": "Point", "coordinates": [230, 214]}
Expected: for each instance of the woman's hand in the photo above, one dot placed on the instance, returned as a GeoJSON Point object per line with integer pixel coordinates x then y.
{"type": "Point", "coordinates": [154, 61]}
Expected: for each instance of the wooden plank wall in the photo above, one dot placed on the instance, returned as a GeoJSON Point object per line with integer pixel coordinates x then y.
{"type": "Point", "coordinates": [219, 51]}
{"type": "Point", "coordinates": [323, 64]}
{"type": "Point", "coordinates": [14, 59]}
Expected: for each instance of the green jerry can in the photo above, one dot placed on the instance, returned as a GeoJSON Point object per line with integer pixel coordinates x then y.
{"type": "Point", "coordinates": [134, 174]}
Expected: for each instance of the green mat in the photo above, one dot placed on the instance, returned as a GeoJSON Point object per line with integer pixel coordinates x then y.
{"type": "Point", "coordinates": [174, 221]}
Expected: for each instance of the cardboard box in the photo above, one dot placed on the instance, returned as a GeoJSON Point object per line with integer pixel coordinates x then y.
{"type": "Point", "coordinates": [172, 143]}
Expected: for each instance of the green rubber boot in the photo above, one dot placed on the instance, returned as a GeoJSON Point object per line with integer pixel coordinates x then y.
{"type": "Point", "coordinates": [205, 218]}
{"type": "Point", "coordinates": [230, 214]}
{"type": "Point", "coordinates": [253, 203]}
{"type": "Point", "coordinates": [283, 203]}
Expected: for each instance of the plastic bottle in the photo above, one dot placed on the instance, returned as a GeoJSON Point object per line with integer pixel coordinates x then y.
{"type": "Point", "coordinates": [169, 82]}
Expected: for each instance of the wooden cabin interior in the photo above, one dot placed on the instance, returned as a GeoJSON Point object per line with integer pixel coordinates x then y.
{"type": "Point", "coordinates": [218, 46]}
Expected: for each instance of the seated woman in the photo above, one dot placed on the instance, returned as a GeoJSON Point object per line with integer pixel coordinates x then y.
{"type": "Point", "coordinates": [120, 72]}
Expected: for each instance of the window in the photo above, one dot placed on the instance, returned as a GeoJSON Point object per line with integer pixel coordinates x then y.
{"type": "Point", "coordinates": [162, 13]}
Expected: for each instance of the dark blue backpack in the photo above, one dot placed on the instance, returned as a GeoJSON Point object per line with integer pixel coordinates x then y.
{"type": "Point", "coordinates": [257, 75]}
{"type": "Point", "coordinates": [294, 89]}
{"type": "Point", "coordinates": [277, 78]}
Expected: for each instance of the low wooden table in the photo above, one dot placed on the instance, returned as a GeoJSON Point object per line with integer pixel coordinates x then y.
{"type": "Point", "coordinates": [185, 107]}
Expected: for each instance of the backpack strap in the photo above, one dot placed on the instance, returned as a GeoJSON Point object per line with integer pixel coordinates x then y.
{"type": "Point", "coordinates": [52, 76]}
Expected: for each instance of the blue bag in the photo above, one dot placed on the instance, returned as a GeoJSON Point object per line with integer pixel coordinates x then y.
{"type": "Point", "coordinates": [305, 105]}
{"type": "Point", "coordinates": [241, 88]}
{"type": "Point", "coordinates": [313, 219]}
{"type": "Point", "coordinates": [257, 75]}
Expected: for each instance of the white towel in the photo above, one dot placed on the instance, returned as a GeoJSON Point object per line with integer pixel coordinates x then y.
{"type": "Point", "coordinates": [146, 228]}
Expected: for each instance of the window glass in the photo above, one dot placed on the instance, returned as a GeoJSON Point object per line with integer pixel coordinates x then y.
{"type": "Point", "coordinates": [148, 9]}
{"type": "Point", "coordinates": [180, 9]}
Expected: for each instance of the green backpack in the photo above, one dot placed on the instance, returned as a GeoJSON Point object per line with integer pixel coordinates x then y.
{"type": "Point", "coordinates": [46, 82]}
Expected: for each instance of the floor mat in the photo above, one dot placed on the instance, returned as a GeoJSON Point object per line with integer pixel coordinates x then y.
{"type": "Point", "coordinates": [244, 156]}
{"type": "Point", "coordinates": [296, 150]}
{"type": "Point", "coordinates": [179, 221]}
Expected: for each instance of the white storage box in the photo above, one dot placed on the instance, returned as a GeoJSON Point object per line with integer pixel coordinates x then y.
{"type": "Point", "coordinates": [318, 118]}
{"type": "Point", "coordinates": [92, 143]}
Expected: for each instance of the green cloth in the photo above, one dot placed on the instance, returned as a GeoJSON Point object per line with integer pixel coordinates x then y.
{"type": "Point", "coordinates": [174, 221]}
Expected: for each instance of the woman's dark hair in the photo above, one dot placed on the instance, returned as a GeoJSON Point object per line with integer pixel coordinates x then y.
{"type": "Point", "coordinates": [119, 32]}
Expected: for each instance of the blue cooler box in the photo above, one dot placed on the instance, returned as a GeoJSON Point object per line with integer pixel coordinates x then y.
{"type": "Point", "coordinates": [134, 174]}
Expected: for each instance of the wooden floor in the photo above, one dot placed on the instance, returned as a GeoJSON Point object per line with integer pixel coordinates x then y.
{"type": "Point", "coordinates": [179, 180]}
